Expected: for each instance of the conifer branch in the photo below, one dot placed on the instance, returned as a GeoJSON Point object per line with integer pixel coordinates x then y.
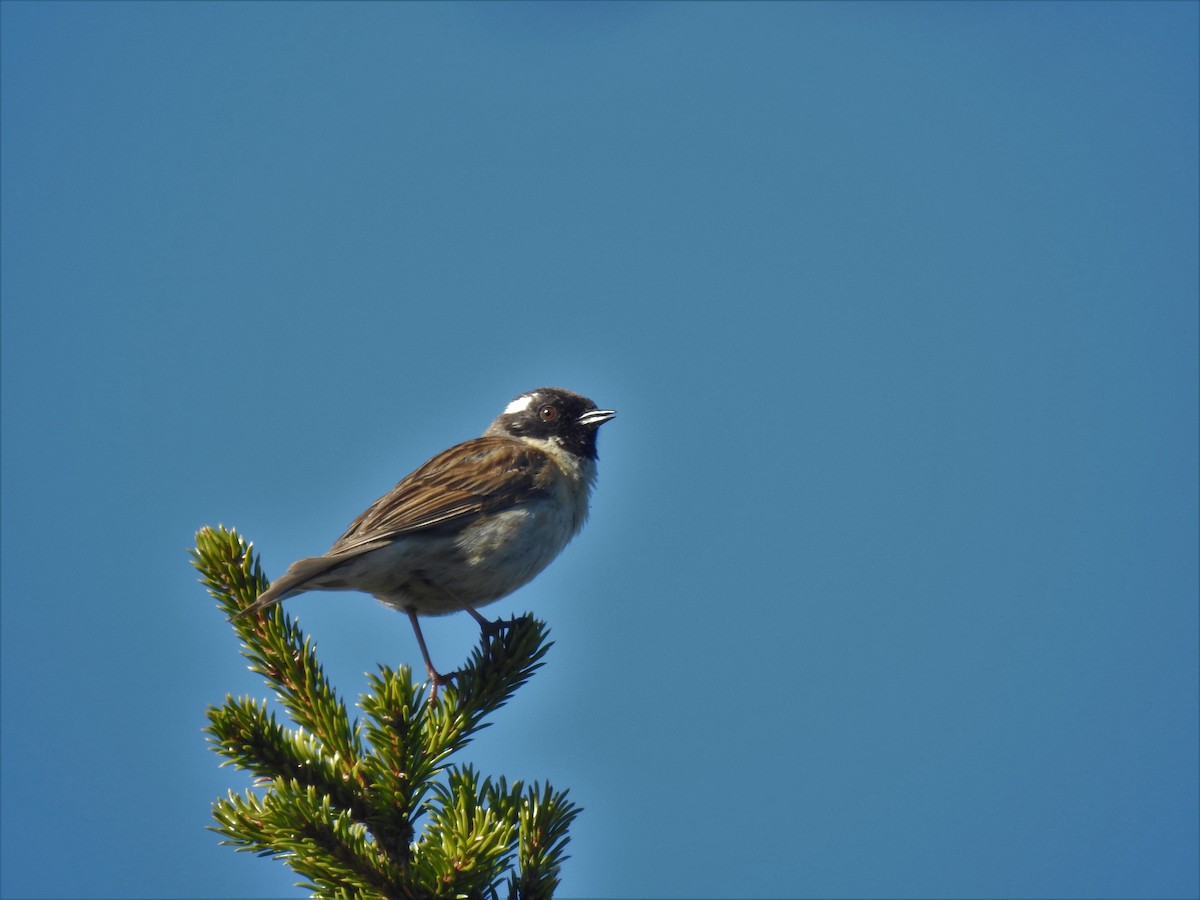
{"type": "Point", "coordinates": [340, 798]}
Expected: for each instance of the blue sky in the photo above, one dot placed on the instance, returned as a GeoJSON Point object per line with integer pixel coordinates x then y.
{"type": "Point", "coordinates": [890, 586]}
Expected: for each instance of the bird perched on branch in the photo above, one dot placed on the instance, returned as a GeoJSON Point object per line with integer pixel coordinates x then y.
{"type": "Point", "coordinates": [473, 524]}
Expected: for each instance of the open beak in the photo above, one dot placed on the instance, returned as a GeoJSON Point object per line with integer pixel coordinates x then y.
{"type": "Point", "coordinates": [596, 417]}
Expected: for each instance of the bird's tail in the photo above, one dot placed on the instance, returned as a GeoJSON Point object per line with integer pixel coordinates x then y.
{"type": "Point", "coordinates": [292, 582]}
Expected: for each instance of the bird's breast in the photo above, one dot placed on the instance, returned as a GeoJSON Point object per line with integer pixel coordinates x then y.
{"type": "Point", "coordinates": [489, 557]}
{"type": "Point", "coordinates": [513, 546]}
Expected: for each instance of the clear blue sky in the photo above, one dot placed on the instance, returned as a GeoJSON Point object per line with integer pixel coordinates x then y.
{"type": "Point", "coordinates": [890, 586]}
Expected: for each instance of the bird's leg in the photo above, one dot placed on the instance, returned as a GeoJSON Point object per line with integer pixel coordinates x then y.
{"type": "Point", "coordinates": [487, 626]}
{"type": "Point", "coordinates": [434, 677]}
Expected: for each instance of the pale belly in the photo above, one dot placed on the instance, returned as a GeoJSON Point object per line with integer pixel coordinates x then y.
{"type": "Point", "coordinates": [439, 574]}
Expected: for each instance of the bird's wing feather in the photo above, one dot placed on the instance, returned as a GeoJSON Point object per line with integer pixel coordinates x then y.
{"type": "Point", "coordinates": [482, 475]}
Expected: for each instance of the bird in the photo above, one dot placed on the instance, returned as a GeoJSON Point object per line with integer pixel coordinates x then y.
{"type": "Point", "coordinates": [471, 525]}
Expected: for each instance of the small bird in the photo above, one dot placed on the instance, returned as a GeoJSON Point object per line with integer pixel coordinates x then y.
{"type": "Point", "coordinates": [473, 524]}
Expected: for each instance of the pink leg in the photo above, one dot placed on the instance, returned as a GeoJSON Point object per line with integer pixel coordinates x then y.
{"type": "Point", "coordinates": [438, 680]}
{"type": "Point", "coordinates": [487, 625]}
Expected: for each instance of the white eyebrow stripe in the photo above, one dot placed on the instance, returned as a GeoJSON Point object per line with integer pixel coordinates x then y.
{"type": "Point", "coordinates": [519, 405]}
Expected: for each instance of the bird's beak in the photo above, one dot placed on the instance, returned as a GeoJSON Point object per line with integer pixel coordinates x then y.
{"type": "Point", "coordinates": [596, 417]}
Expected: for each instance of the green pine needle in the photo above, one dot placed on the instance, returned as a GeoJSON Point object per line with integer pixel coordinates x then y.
{"type": "Point", "coordinates": [340, 799]}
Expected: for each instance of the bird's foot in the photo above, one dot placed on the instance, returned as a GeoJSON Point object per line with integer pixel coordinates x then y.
{"type": "Point", "coordinates": [437, 680]}
{"type": "Point", "coordinates": [492, 628]}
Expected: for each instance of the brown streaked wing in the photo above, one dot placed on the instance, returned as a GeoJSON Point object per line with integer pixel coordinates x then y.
{"type": "Point", "coordinates": [481, 474]}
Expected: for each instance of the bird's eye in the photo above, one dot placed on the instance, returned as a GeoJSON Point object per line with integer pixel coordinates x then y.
{"type": "Point", "coordinates": [548, 413]}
